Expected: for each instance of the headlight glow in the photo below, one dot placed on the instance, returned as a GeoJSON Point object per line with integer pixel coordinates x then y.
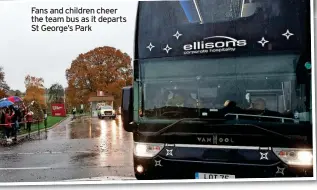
{"type": "Point", "coordinates": [147, 149]}
{"type": "Point", "coordinates": [305, 156]}
{"type": "Point", "coordinates": [301, 157]}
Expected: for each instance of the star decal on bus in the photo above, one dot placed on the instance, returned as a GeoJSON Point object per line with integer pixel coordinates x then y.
{"type": "Point", "coordinates": [287, 34]}
{"type": "Point", "coordinates": [264, 156]}
{"type": "Point", "coordinates": [169, 152]}
{"type": "Point", "coordinates": [177, 35]}
{"type": "Point", "coordinates": [158, 163]}
{"type": "Point", "coordinates": [263, 42]}
{"type": "Point", "coordinates": [280, 170]}
{"type": "Point", "coordinates": [167, 48]}
{"type": "Point", "coordinates": [150, 47]}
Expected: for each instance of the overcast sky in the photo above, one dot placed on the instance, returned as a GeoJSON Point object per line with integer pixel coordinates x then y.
{"type": "Point", "coordinates": [48, 54]}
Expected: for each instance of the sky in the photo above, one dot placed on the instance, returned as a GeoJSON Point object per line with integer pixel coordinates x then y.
{"type": "Point", "coordinates": [49, 54]}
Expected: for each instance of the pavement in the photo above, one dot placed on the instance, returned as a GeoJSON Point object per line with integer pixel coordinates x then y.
{"type": "Point", "coordinates": [33, 135]}
{"type": "Point", "coordinates": [81, 149]}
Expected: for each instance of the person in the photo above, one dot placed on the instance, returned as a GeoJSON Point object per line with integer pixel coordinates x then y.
{"type": "Point", "coordinates": [9, 113]}
{"type": "Point", "coordinates": [74, 113]}
{"type": "Point", "coordinates": [230, 104]}
{"type": "Point", "coordinates": [29, 119]}
{"type": "Point", "coordinates": [258, 104]}
{"type": "Point", "coordinates": [14, 120]}
{"type": "Point", "coordinates": [19, 121]}
{"type": "Point", "coordinates": [190, 101]}
{"type": "Point", "coordinates": [175, 100]}
{"type": "Point", "coordinates": [3, 121]}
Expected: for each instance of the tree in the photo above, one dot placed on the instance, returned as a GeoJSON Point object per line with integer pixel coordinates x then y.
{"type": "Point", "coordinates": [18, 93]}
{"type": "Point", "coordinates": [33, 81]}
{"type": "Point", "coordinates": [15, 93]}
{"type": "Point", "coordinates": [104, 68]}
{"type": "Point", "coordinates": [3, 94]}
{"type": "Point", "coordinates": [35, 90]}
{"type": "Point", "coordinates": [37, 110]}
{"type": "Point", "coordinates": [4, 87]}
{"type": "Point", "coordinates": [56, 93]}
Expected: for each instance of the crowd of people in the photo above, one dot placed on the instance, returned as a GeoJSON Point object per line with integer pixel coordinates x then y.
{"type": "Point", "coordinates": [13, 118]}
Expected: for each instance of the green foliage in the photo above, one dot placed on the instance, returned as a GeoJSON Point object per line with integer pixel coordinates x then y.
{"type": "Point", "coordinates": [37, 109]}
{"type": "Point", "coordinates": [56, 93]}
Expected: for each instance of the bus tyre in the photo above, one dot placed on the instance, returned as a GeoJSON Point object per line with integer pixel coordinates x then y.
{"type": "Point", "coordinates": [143, 177]}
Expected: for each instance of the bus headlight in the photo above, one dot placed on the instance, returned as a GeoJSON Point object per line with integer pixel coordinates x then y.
{"type": "Point", "coordinates": [147, 149]}
{"type": "Point", "coordinates": [300, 157]}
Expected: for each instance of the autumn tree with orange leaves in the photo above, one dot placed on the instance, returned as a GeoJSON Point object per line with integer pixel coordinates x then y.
{"type": "Point", "coordinates": [35, 90]}
{"type": "Point", "coordinates": [104, 68]}
{"type": "Point", "coordinates": [4, 88]}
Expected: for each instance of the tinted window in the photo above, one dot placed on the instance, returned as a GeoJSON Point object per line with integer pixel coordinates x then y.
{"type": "Point", "coordinates": [260, 82]}
{"type": "Point", "coordinates": [205, 11]}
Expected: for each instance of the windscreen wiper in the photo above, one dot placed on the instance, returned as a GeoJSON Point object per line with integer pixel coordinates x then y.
{"type": "Point", "coordinates": [267, 130]}
{"type": "Point", "coordinates": [163, 130]}
{"type": "Point", "coordinates": [181, 120]}
{"type": "Point", "coordinates": [244, 115]}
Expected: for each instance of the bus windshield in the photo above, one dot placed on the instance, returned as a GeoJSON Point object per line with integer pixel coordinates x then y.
{"type": "Point", "coordinates": [257, 82]}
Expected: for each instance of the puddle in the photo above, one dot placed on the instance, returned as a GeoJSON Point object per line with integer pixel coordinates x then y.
{"type": "Point", "coordinates": [84, 155]}
{"type": "Point", "coordinates": [89, 128]}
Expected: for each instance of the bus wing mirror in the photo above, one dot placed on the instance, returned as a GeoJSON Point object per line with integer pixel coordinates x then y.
{"type": "Point", "coordinates": [127, 109]}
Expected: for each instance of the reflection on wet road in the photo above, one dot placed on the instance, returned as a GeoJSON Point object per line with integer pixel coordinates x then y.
{"type": "Point", "coordinates": [83, 148]}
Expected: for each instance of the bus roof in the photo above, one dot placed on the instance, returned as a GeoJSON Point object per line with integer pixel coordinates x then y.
{"type": "Point", "coordinates": [221, 28]}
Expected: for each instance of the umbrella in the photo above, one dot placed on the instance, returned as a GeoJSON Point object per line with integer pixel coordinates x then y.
{"type": "Point", "coordinates": [5, 103]}
{"type": "Point", "coordinates": [14, 99]}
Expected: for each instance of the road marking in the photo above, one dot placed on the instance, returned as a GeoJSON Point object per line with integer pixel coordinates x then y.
{"type": "Point", "coordinates": [26, 153]}
{"type": "Point", "coordinates": [103, 178]}
{"type": "Point", "coordinates": [53, 152]}
{"type": "Point", "coordinates": [6, 153]}
{"type": "Point", "coordinates": [48, 152]}
{"type": "Point", "coordinates": [29, 168]}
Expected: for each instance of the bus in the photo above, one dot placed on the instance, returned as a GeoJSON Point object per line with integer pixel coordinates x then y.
{"type": "Point", "coordinates": [221, 90]}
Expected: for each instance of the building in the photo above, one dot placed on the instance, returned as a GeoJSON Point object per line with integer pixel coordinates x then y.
{"type": "Point", "coordinates": [99, 99]}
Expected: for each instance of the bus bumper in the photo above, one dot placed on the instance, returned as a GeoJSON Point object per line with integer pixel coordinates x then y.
{"type": "Point", "coordinates": [159, 168]}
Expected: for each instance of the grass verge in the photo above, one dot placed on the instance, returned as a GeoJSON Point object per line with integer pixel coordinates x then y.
{"type": "Point", "coordinates": [51, 121]}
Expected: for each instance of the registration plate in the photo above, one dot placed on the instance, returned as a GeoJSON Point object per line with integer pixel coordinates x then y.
{"type": "Point", "coordinates": [213, 176]}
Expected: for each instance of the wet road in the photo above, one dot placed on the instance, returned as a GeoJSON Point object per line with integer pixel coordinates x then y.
{"type": "Point", "coordinates": [82, 148]}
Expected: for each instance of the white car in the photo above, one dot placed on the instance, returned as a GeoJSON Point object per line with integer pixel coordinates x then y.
{"type": "Point", "coordinates": [106, 111]}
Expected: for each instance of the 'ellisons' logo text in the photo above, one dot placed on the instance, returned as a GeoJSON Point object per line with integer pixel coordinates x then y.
{"type": "Point", "coordinates": [214, 44]}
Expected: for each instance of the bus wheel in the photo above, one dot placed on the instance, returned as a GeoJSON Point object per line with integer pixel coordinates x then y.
{"type": "Point", "coordinates": [143, 177]}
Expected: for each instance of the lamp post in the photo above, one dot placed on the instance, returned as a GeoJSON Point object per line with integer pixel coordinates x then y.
{"type": "Point", "coordinates": [45, 119]}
